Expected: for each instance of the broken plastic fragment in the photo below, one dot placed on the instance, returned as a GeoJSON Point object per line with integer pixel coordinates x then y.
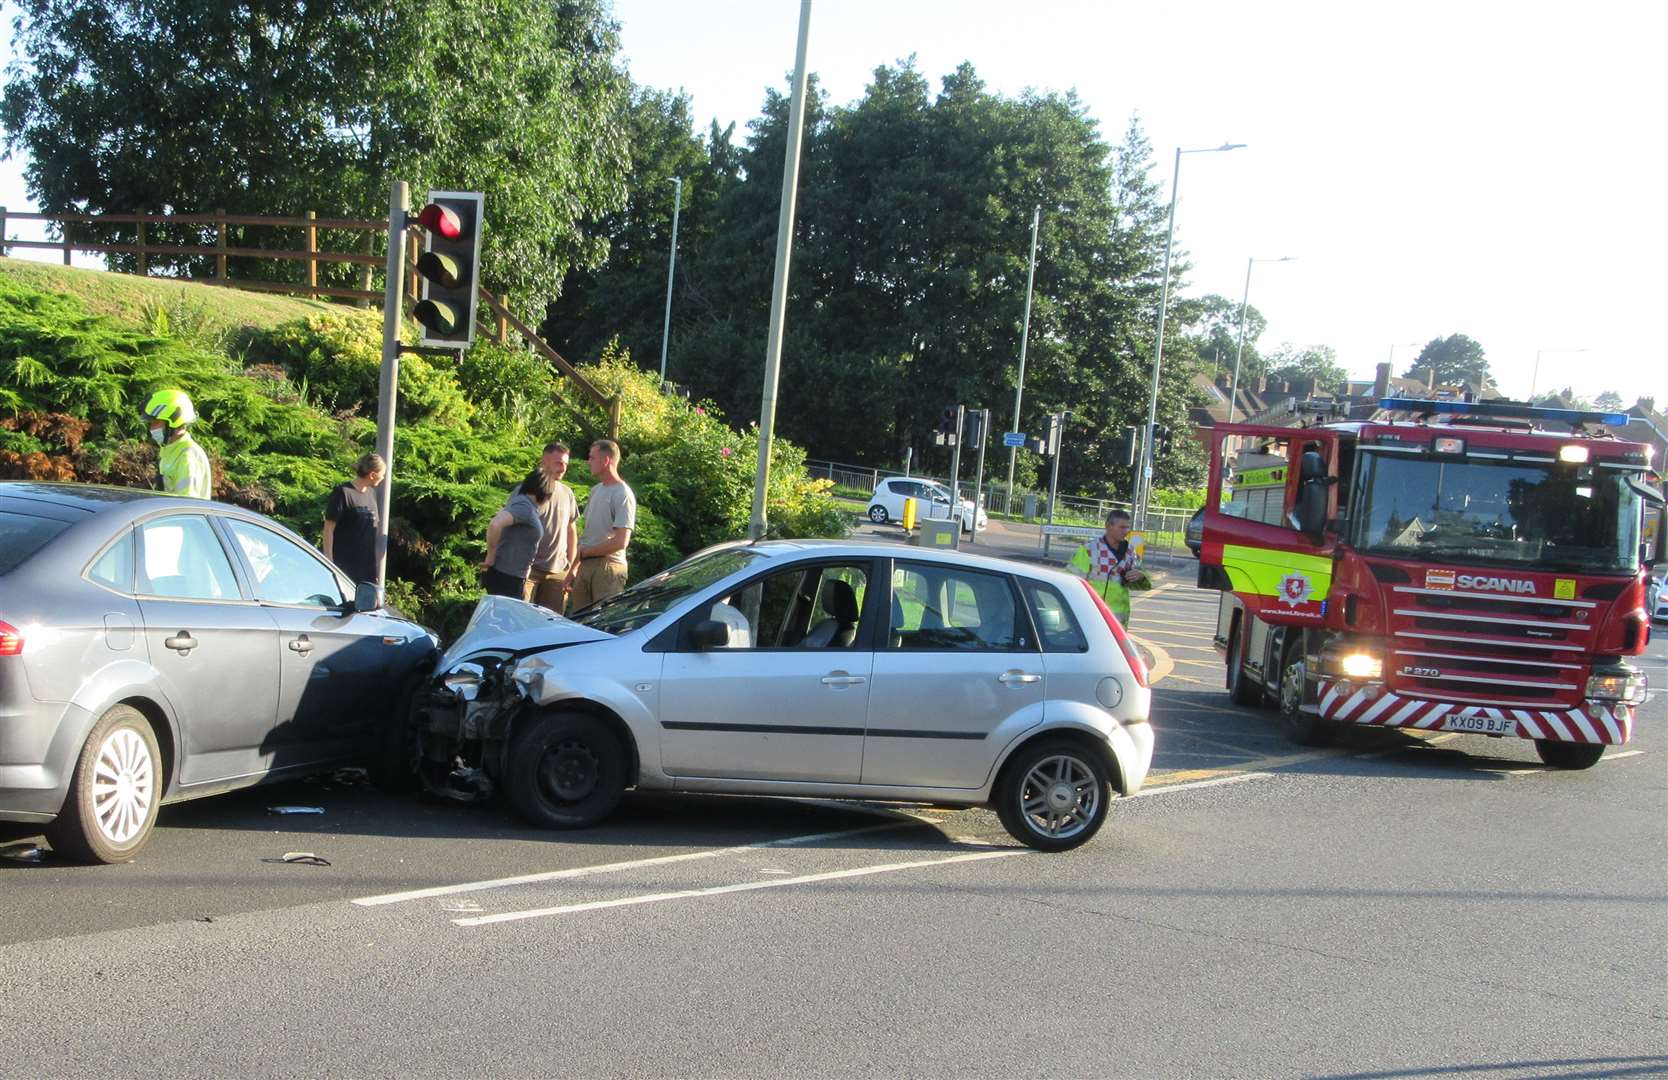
{"type": "Point", "coordinates": [24, 853]}
{"type": "Point", "coordinates": [295, 809]}
{"type": "Point", "coordinates": [300, 858]}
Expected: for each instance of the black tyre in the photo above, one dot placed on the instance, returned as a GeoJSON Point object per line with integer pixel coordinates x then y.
{"type": "Point", "coordinates": [1053, 795]}
{"type": "Point", "coordinates": [878, 515]}
{"type": "Point", "coordinates": [1568, 755]}
{"type": "Point", "coordinates": [1306, 728]}
{"type": "Point", "coordinates": [1241, 690]}
{"type": "Point", "coordinates": [566, 771]}
{"type": "Point", "coordinates": [396, 749]}
{"type": "Point", "coordinates": [114, 793]}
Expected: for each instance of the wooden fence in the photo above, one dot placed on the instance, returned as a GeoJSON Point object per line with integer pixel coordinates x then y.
{"type": "Point", "coordinates": [311, 255]}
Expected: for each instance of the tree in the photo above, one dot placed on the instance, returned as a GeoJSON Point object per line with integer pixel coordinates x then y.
{"type": "Point", "coordinates": [1609, 401]}
{"type": "Point", "coordinates": [280, 106]}
{"type": "Point", "coordinates": [1317, 362]}
{"type": "Point", "coordinates": [1456, 358]}
{"type": "Point", "coordinates": [1212, 322]}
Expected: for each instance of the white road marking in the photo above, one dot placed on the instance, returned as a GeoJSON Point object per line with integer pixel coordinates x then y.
{"type": "Point", "coordinates": [609, 868]}
{"type": "Point", "coordinates": [1213, 782]}
{"type": "Point", "coordinates": [747, 886]}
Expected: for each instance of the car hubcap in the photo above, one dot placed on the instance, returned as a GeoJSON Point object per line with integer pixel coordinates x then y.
{"type": "Point", "coordinates": [877, 514]}
{"type": "Point", "coordinates": [124, 786]}
{"type": "Point", "coordinates": [1060, 797]}
{"type": "Point", "coordinates": [570, 771]}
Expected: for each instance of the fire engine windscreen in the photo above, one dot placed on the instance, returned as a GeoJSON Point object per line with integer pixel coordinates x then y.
{"type": "Point", "coordinates": [1580, 518]}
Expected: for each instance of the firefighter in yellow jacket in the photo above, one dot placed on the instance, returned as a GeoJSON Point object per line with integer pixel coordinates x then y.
{"type": "Point", "coordinates": [1112, 563]}
{"type": "Point", "coordinates": [184, 467]}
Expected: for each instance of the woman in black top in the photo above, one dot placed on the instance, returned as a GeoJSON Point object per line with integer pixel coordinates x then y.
{"type": "Point", "coordinates": [513, 536]}
{"type": "Point", "coordinates": [350, 520]}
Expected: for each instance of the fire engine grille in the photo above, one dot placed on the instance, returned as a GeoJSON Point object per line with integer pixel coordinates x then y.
{"type": "Point", "coordinates": [1467, 646]}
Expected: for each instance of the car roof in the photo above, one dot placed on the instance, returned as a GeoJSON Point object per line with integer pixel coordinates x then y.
{"type": "Point", "coordinates": [869, 549]}
{"type": "Point", "coordinates": [90, 498]}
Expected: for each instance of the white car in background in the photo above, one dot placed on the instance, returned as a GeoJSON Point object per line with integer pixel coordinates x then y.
{"type": "Point", "coordinates": [1657, 598]}
{"type": "Point", "coordinates": [932, 502]}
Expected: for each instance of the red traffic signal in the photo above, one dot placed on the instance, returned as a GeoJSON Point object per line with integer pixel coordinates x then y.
{"type": "Point", "coordinates": [440, 220]}
{"type": "Point", "coordinates": [450, 268]}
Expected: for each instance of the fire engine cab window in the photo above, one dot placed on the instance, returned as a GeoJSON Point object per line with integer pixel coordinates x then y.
{"type": "Point", "coordinates": [1553, 517]}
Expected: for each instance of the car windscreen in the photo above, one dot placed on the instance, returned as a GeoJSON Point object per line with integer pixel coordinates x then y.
{"type": "Point", "coordinates": [652, 597]}
{"type": "Point", "coordinates": [21, 535]}
{"type": "Point", "coordinates": [1582, 518]}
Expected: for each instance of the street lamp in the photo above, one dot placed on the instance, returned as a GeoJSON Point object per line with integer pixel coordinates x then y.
{"type": "Point", "coordinates": [1143, 478]}
{"type": "Point", "coordinates": [1233, 386]}
{"type": "Point", "coordinates": [1536, 376]}
{"type": "Point", "coordinates": [671, 264]}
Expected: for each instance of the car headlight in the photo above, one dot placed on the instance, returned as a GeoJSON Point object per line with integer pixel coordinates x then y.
{"type": "Point", "coordinates": [1621, 683]}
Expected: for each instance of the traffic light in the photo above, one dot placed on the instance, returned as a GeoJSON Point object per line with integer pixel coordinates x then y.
{"type": "Point", "coordinates": [975, 425]}
{"type": "Point", "coordinates": [1056, 428]}
{"type": "Point", "coordinates": [947, 420]}
{"type": "Point", "coordinates": [450, 268]}
{"type": "Point", "coordinates": [1161, 440]}
{"type": "Point", "coordinates": [1124, 449]}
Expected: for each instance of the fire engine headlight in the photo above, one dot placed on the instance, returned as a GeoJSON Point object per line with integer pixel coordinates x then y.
{"type": "Point", "coordinates": [1624, 683]}
{"type": "Point", "coordinates": [1361, 665]}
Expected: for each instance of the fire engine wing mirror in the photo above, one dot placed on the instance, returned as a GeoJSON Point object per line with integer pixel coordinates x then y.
{"type": "Point", "coordinates": [1310, 516]}
{"type": "Point", "coordinates": [1645, 491]}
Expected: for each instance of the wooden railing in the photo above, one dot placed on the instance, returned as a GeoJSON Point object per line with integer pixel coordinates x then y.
{"type": "Point", "coordinates": [311, 255]}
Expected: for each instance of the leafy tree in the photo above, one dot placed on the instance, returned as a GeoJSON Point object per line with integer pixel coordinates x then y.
{"type": "Point", "coordinates": [1212, 323]}
{"type": "Point", "coordinates": [1609, 401]}
{"type": "Point", "coordinates": [1317, 362]}
{"type": "Point", "coordinates": [1456, 358]}
{"type": "Point", "coordinates": [280, 106]}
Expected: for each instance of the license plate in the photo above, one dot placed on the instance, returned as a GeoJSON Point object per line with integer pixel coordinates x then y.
{"type": "Point", "coordinates": [1478, 724]}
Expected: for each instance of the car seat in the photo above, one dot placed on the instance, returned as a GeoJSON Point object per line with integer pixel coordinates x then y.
{"type": "Point", "coordinates": [840, 630]}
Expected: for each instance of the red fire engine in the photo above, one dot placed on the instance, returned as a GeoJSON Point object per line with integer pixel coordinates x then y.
{"type": "Point", "coordinates": [1458, 566]}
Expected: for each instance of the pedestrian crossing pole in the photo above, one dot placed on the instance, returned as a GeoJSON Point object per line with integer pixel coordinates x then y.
{"type": "Point", "coordinates": [399, 204]}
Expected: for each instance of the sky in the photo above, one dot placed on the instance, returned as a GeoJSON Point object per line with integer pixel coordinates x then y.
{"type": "Point", "coordinates": [1482, 168]}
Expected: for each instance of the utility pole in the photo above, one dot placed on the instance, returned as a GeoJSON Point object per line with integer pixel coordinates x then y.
{"type": "Point", "coordinates": [399, 203]}
{"type": "Point", "coordinates": [1024, 339]}
{"type": "Point", "coordinates": [671, 264]}
{"type": "Point", "coordinates": [1056, 436]}
{"type": "Point", "coordinates": [955, 463]}
{"type": "Point", "coordinates": [979, 476]}
{"type": "Point", "coordinates": [779, 287]}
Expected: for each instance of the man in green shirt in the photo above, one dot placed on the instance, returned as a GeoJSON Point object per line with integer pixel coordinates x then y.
{"type": "Point", "coordinates": [1112, 564]}
{"type": "Point", "coordinates": [184, 467]}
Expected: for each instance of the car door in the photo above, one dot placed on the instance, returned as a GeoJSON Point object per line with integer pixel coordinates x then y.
{"type": "Point", "coordinates": [787, 699]}
{"type": "Point", "coordinates": [215, 651]}
{"type": "Point", "coordinates": [957, 661]}
{"type": "Point", "coordinates": [331, 661]}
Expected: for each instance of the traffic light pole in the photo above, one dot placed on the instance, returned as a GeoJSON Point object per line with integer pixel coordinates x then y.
{"type": "Point", "coordinates": [1057, 435]}
{"type": "Point", "coordinates": [979, 476]}
{"type": "Point", "coordinates": [399, 202]}
{"type": "Point", "coordinates": [955, 464]}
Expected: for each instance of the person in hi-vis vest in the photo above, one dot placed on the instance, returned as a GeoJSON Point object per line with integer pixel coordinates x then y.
{"type": "Point", "coordinates": [1112, 563]}
{"type": "Point", "coordinates": [182, 463]}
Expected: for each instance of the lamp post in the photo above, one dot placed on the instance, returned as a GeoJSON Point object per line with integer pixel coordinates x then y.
{"type": "Point", "coordinates": [671, 264]}
{"type": "Point", "coordinates": [1239, 351]}
{"type": "Point", "coordinates": [1536, 376]}
{"type": "Point", "coordinates": [1143, 478]}
{"type": "Point", "coordinates": [1024, 338]}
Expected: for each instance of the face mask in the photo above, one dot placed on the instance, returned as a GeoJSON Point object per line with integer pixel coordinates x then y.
{"type": "Point", "coordinates": [158, 434]}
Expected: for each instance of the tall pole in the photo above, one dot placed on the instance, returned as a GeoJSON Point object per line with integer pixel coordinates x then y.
{"type": "Point", "coordinates": [779, 287]}
{"type": "Point", "coordinates": [955, 463]}
{"type": "Point", "coordinates": [979, 475]}
{"type": "Point", "coordinates": [1143, 477]}
{"type": "Point", "coordinates": [671, 264]}
{"type": "Point", "coordinates": [1024, 339]}
{"type": "Point", "coordinates": [1239, 351]}
{"type": "Point", "coordinates": [399, 202]}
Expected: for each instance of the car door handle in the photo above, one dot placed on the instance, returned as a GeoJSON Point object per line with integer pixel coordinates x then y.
{"type": "Point", "coordinates": [181, 642]}
{"type": "Point", "coordinates": [301, 645]}
{"type": "Point", "coordinates": [1017, 678]}
{"type": "Point", "coordinates": [843, 680]}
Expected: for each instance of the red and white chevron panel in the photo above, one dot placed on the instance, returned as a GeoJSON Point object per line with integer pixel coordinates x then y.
{"type": "Point", "coordinates": [1613, 724]}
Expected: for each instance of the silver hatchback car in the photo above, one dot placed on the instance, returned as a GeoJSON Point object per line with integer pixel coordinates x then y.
{"type": "Point", "coordinates": [807, 668]}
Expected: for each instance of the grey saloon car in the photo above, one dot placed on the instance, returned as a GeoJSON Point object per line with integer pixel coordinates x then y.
{"type": "Point", "coordinates": [154, 649]}
{"type": "Point", "coordinates": [807, 668]}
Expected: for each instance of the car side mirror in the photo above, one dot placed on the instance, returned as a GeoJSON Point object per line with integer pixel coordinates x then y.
{"type": "Point", "coordinates": [709, 634]}
{"type": "Point", "coordinates": [367, 596]}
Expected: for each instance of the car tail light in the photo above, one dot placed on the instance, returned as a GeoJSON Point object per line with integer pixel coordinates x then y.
{"type": "Point", "coordinates": [11, 642]}
{"type": "Point", "coordinates": [1137, 666]}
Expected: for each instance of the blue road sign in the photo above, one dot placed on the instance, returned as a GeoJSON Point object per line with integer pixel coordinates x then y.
{"type": "Point", "coordinates": [1013, 438]}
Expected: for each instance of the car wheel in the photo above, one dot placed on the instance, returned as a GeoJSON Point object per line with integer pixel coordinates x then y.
{"type": "Point", "coordinates": [566, 771]}
{"type": "Point", "coordinates": [114, 793]}
{"type": "Point", "coordinates": [878, 515]}
{"type": "Point", "coordinates": [1053, 795]}
{"type": "Point", "coordinates": [1301, 727]}
{"type": "Point", "coordinates": [1564, 755]}
{"type": "Point", "coordinates": [1241, 690]}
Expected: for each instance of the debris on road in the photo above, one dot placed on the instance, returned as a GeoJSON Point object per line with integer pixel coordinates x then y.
{"type": "Point", "coordinates": [295, 809]}
{"type": "Point", "coordinates": [23, 853]}
{"type": "Point", "coordinates": [300, 858]}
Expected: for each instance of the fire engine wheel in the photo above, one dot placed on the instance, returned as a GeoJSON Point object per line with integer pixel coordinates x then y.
{"type": "Point", "coordinates": [1301, 727]}
{"type": "Point", "coordinates": [1565, 755]}
{"type": "Point", "coordinates": [1241, 690]}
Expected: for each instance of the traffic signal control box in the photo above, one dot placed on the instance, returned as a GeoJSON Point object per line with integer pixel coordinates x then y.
{"type": "Point", "coordinates": [450, 268]}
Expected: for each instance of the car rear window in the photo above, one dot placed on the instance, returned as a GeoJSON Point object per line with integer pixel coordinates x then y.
{"type": "Point", "coordinates": [1056, 626]}
{"type": "Point", "coordinates": [21, 535]}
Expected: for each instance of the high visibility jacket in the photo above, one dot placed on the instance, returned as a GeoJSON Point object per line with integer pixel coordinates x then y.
{"type": "Point", "coordinates": [185, 469]}
{"type": "Point", "coordinates": [1099, 562]}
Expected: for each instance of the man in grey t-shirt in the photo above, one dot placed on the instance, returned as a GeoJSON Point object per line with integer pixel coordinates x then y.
{"type": "Point", "coordinates": [547, 581]}
{"type": "Point", "coordinates": [610, 515]}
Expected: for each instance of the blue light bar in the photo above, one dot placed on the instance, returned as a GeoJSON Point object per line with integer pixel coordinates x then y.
{"type": "Point", "coordinates": [1509, 409]}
